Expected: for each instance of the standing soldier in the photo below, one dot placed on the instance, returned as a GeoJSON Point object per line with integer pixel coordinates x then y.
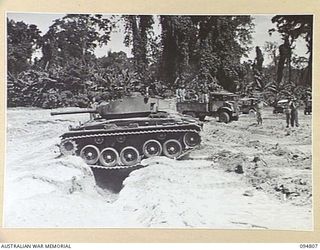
{"type": "Point", "coordinates": [287, 111]}
{"type": "Point", "coordinates": [152, 90]}
{"type": "Point", "coordinates": [259, 107]}
{"type": "Point", "coordinates": [183, 93]}
{"type": "Point", "coordinates": [294, 113]}
{"type": "Point", "coordinates": [203, 94]}
{"type": "Point", "coordinates": [178, 94]}
{"type": "Point", "coordinates": [94, 104]}
{"type": "Point", "coordinates": [206, 95]}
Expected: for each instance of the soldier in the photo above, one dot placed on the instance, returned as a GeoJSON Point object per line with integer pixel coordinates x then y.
{"type": "Point", "coordinates": [183, 93]}
{"type": "Point", "coordinates": [206, 95]}
{"type": "Point", "coordinates": [259, 106]}
{"type": "Point", "coordinates": [178, 94]}
{"type": "Point", "coordinates": [94, 104]}
{"type": "Point", "coordinates": [294, 113]}
{"type": "Point", "coordinates": [152, 90]}
{"type": "Point", "coordinates": [287, 111]}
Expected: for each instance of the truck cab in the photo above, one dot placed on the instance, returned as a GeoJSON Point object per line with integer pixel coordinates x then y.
{"type": "Point", "coordinates": [280, 106]}
{"type": "Point", "coordinates": [248, 105]}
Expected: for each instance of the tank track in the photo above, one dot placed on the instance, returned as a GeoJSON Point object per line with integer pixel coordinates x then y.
{"type": "Point", "coordinates": [185, 150]}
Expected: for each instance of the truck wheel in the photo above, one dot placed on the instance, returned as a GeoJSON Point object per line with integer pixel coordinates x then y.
{"type": "Point", "coordinates": [252, 113]}
{"type": "Point", "coordinates": [224, 117]}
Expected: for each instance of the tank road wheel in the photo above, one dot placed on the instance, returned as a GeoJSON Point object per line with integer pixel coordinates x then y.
{"type": "Point", "coordinates": [68, 147]}
{"type": "Point", "coordinates": [109, 157]}
{"type": "Point", "coordinates": [90, 154]}
{"type": "Point", "coordinates": [152, 148]}
{"type": "Point", "coordinates": [191, 139]}
{"type": "Point", "coordinates": [172, 148]}
{"type": "Point", "coordinates": [129, 156]}
{"type": "Point", "coordinates": [224, 117]}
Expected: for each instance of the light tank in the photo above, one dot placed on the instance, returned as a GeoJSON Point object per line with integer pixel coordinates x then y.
{"type": "Point", "coordinates": [121, 133]}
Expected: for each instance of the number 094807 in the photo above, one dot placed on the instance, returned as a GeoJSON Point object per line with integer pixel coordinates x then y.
{"type": "Point", "coordinates": [312, 246]}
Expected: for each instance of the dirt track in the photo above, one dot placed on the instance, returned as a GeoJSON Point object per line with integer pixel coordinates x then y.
{"type": "Point", "coordinates": [203, 190]}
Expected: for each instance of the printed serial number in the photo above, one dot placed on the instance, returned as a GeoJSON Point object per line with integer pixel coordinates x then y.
{"type": "Point", "coordinates": [309, 245]}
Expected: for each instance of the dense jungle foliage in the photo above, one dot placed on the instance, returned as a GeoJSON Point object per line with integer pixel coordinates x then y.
{"type": "Point", "coordinates": [60, 68]}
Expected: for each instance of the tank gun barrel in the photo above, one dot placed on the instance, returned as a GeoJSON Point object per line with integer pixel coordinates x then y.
{"type": "Point", "coordinates": [74, 112]}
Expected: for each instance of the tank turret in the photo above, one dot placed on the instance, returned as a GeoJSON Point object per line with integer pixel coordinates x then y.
{"type": "Point", "coordinates": [129, 106]}
{"type": "Point", "coordinates": [123, 132]}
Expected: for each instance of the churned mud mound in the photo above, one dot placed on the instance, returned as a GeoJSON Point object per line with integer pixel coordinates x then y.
{"type": "Point", "coordinates": [198, 193]}
{"type": "Point", "coordinates": [243, 176]}
{"type": "Point", "coordinates": [274, 158]}
{"type": "Point", "coordinates": [41, 189]}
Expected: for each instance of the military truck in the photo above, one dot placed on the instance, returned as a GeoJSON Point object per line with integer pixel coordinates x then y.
{"type": "Point", "coordinates": [280, 106]}
{"type": "Point", "coordinates": [221, 104]}
{"type": "Point", "coordinates": [247, 105]}
{"type": "Point", "coordinates": [308, 107]}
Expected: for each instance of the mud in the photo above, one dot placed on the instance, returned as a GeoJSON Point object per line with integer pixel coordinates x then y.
{"type": "Point", "coordinates": [242, 176]}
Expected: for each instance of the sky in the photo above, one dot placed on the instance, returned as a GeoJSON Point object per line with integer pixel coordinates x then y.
{"type": "Point", "coordinates": [259, 37]}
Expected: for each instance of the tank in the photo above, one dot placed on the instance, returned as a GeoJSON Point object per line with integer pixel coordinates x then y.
{"type": "Point", "coordinates": [121, 133]}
